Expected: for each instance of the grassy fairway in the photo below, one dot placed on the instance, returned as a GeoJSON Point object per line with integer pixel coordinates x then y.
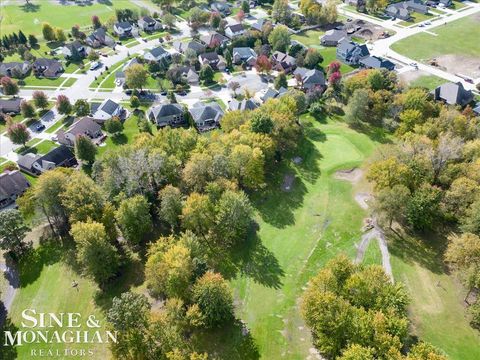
{"type": "Point", "coordinates": [436, 310]}
{"type": "Point", "coordinates": [29, 18]}
{"type": "Point", "coordinates": [459, 37]}
{"type": "Point", "coordinates": [302, 229]}
{"type": "Point", "coordinates": [46, 287]}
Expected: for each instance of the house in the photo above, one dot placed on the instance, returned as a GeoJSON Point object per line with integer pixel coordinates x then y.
{"type": "Point", "coordinates": [310, 79]}
{"type": "Point", "coordinates": [181, 47]}
{"type": "Point", "coordinates": [15, 69]}
{"type": "Point", "coordinates": [99, 38]}
{"type": "Point", "coordinates": [213, 59]}
{"type": "Point", "coordinates": [149, 24]}
{"type": "Point", "coordinates": [245, 104]}
{"type": "Point", "coordinates": [85, 126]}
{"type": "Point", "coordinates": [283, 62]}
{"type": "Point", "coordinates": [376, 62]}
{"type": "Point", "coordinates": [213, 40]}
{"type": "Point", "coordinates": [351, 52]}
{"type": "Point", "coordinates": [108, 109]}
{"type": "Point", "coordinates": [333, 37]}
{"type": "Point", "coordinates": [49, 68]}
{"type": "Point", "coordinates": [244, 55]}
{"type": "Point", "coordinates": [12, 185]}
{"type": "Point", "coordinates": [33, 164]}
{"type": "Point", "coordinates": [221, 7]}
{"type": "Point", "coordinates": [206, 116]}
{"type": "Point", "coordinates": [272, 93]}
{"type": "Point", "coordinates": [355, 3]}
{"type": "Point", "coordinates": [74, 50]}
{"type": "Point", "coordinates": [234, 30]}
{"type": "Point", "coordinates": [123, 29]}
{"type": "Point", "coordinates": [120, 75]}
{"type": "Point", "coordinates": [157, 54]}
{"type": "Point", "coordinates": [260, 23]}
{"type": "Point", "coordinates": [10, 106]}
{"type": "Point", "coordinates": [189, 75]}
{"type": "Point", "coordinates": [401, 10]}
{"type": "Point", "coordinates": [167, 115]}
{"type": "Point", "coordinates": [453, 94]}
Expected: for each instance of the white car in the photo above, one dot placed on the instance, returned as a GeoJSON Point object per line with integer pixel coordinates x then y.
{"type": "Point", "coordinates": [428, 23]}
{"type": "Point", "coordinates": [95, 65]}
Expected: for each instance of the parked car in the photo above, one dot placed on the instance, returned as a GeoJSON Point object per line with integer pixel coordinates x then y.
{"type": "Point", "coordinates": [163, 93]}
{"type": "Point", "coordinates": [129, 91]}
{"type": "Point", "coordinates": [95, 65]}
{"type": "Point", "coordinates": [39, 127]}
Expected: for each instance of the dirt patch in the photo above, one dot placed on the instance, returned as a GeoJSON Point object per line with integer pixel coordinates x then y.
{"type": "Point", "coordinates": [363, 199]}
{"type": "Point", "coordinates": [288, 181]}
{"type": "Point", "coordinates": [409, 76]}
{"type": "Point", "coordinates": [352, 175]}
{"type": "Point", "coordinates": [460, 64]}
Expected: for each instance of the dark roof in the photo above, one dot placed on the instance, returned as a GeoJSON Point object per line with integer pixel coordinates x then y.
{"type": "Point", "coordinates": [210, 56]}
{"type": "Point", "coordinates": [149, 20]}
{"type": "Point", "coordinates": [58, 155]}
{"type": "Point", "coordinates": [12, 183]}
{"type": "Point", "coordinates": [83, 126]}
{"type": "Point", "coordinates": [124, 25]}
{"type": "Point", "coordinates": [109, 106]}
{"type": "Point", "coordinates": [453, 94]}
{"type": "Point", "coordinates": [74, 45]}
{"type": "Point", "coordinates": [10, 105]}
{"type": "Point", "coordinates": [348, 46]}
{"type": "Point", "coordinates": [476, 109]}
{"type": "Point", "coordinates": [163, 110]}
{"type": "Point", "coordinates": [376, 62]}
{"type": "Point", "coordinates": [235, 27]}
{"type": "Point", "coordinates": [311, 77]}
{"type": "Point", "coordinates": [201, 112]}
{"type": "Point", "coordinates": [245, 104]}
{"type": "Point", "coordinates": [26, 161]}
{"type": "Point", "coordinates": [158, 51]}
{"type": "Point", "coordinates": [334, 35]}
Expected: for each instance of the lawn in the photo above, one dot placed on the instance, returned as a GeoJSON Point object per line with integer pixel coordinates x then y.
{"type": "Point", "coordinates": [417, 18]}
{"type": "Point", "coordinates": [373, 255]}
{"type": "Point", "coordinates": [32, 80]}
{"type": "Point", "coordinates": [300, 230]}
{"type": "Point", "coordinates": [459, 37]}
{"type": "Point", "coordinates": [69, 82]}
{"type": "Point", "coordinates": [309, 37]}
{"type": "Point", "coordinates": [427, 81]}
{"type": "Point", "coordinates": [29, 18]}
{"type": "Point", "coordinates": [437, 309]}
{"type": "Point", "coordinates": [46, 287]}
{"type": "Point", "coordinates": [45, 146]}
{"type": "Point", "coordinates": [60, 123]}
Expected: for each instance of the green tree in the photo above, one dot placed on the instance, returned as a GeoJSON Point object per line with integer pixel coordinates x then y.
{"type": "Point", "coordinates": [93, 56]}
{"type": "Point", "coordinates": [134, 219]}
{"type": "Point", "coordinates": [32, 40]}
{"type": "Point", "coordinates": [170, 205]}
{"type": "Point", "coordinates": [423, 207]}
{"type": "Point", "coordinates": [85, 149]}
{"type": "Point", "coordinates": [64, 107]}
{"type": "Point", "coordinates": [261, 123]}
{"type": "Point", "coordinates": [206, 74]}
{"type": "Point", "coordinates": [279, 38]}
{"type": "Point", "coordinates": [9, 86]}
{"type": "Point", "coordinates": [48, 32]}
{"type": "Point", "coordinates": [134, 102]}
{"type": "Point", "coordinates": [136, 76]}
{"type": "Point", "coordinates": [198, 214]}
{"type": "Point", "coordinates": [391, 203]}
{"type": "Point", "coordinates": [470, 222]}
{"type": "Point", "coordinates": [357, 352]}
{"type": "Point", "coordinates": [27, 109]}
{"type": "Point", "coordinates": [280, 81]}
{"type": "Point", "coordinates": [40, 99]}
{"type": "Point", "coordinates": [281, 12]}
{"type": "Point", "coordinates": [95, 254]}
{"type": "Point", "coordinates": [12, 232]}
{"type": "Point", "coordinates": [357, 110]}
{"type": "Point", "coordinates": [18, 133]}
{"type": "Point", "coordinates": [60, 35]}
{"type": "Point", "coordinates": [114, 126]}
{"type": "Point", "coordinates": [312, 58]}
{"type": "Point", "coordinates": [214, 298]}
{"type": "Point", "coordinates": [81, 107]}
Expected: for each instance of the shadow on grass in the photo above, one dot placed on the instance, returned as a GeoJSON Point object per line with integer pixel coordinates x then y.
{"type": "Point", "coordinates": [7, 352]}
{"type": "Point", "coordinates": [232, 341]}
{"type": "Point", "coordinates": [375, 133]}
{"type": "Point", "coordinates": [29, 7]}
{"type": "Point", "coordinates": [119, 139]}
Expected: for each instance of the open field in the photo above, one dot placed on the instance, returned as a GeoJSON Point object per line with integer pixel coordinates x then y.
{"type": "Point", "coordinates": [418, 18]}
{"type": "Point", "coordinates": [427, 81]}
{"type": "Point", "coordinates": [437, 309]}
{"type": "Point", "coordinates": [300, 230]}
{"type": "Point", "coordinates": [29, 18]}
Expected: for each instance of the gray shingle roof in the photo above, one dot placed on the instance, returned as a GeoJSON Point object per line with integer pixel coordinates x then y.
{"type": "Point", "coordinates": [109, 106]}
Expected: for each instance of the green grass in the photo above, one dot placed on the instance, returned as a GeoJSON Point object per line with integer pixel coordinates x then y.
{"type": "Point", "coordinates": [34, 81]}
{"type": "Point", "coordinates": [69, 82]}
{"type": "Point", "coordinates": [46, 287]}
{"type": "Point", "coordinates": [15, 119]}
{"type": "Point", "coordinates": [45, 146]}
{"type": "Point", "coordinates": [417, 18]}
{"type": "Point", "coordinates": [132, 43]}
{"type": "Point", "coordinates": [309, 37]}
{"type": "Point", "coordinates": [5, 164]}
{"type": "Point", "coordinates": [29, 19]}
{"type": "Point", "coordinates": [330, 54]}
{"type": "Point", "coordinates": [437, 310]}
{"type": "Point", "coordinates": [457, 5]}
{"type": "Point", "coordinates": [459, 37]}
{"type": "Point", "coordinates": [372, 256]}
{"type": "Point", "coordinates": [55, 126]}
{"type": "Point", "coordinates": [427, 81]}
{"type": "Point", "coordinates": [300, 230]}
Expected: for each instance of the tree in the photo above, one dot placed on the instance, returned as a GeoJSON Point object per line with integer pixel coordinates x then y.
{"type": "Point", "coordinates": [228, 58]}
{"type": "Point", "coordinates": [12, 232]}
{"type": "Point", "coordinates": [198, 214]}
{"type": "Point", "coordinates": [169, 20]}
{"type": "Point", "coordinates": [423, 207]}
{"type": "Point", "coordinates": [63, 105]}
{"type": "Point", "coordinates": [134, 102]}
{"type": "Point", "coordinates": [114, 126]}
{"type": "Point", "coordinates": [85, 149]}
{"type": "Point", "coordinates": [357, 110]}
{"type": "Point", "coordinates": [391, 203]}
{"type": "Point", "coordinates": [136, 76]}
{"type": "Point", "coordinates": [263, 64]}
{"type": "Point", "coordinates": [48, 32]}
{"type": "Point", "coordinates": [279, 38]}
{"type": "Point", "coordinates": [60, 35]}
{"type": "Point", "coordinates": [261, 123]}
{"type": "Point", "coordinates": [281, 12]}
{"type": "Point", "coordinates": [206, 74]}
{"type": "Point", "coordinates": [357, 352]}
{"type": "Point", "coordinates": [134, 219]}
{"type": "Point", "coordinates": [9, 86]}
{"type": "Point", "coordinates": [18, 133]}
{"type": "Point", "coordinates": [95, 254]}
{"type": "Point", "coordinates": [32, 40]}
{"type": "Point", "coordinates": [234, 86]}
{"type": "Point", "coordinates": [81, 107]}
{"type": "Point", "coordinates": [280, 81]}
{"type": "Point", "coordinates": [214, 297]}
{"type": "Point", "coordinates": [27, 109]}
{"type": "Point", "coordinates": [22, 39]}
{"type": "Point", "coordinates": [40, 99]}
{"type": "Point", "coordinates": [96, 22]}
{"type": "Point", "coordinates": [93, 56]}
{"type": "Point", "coordinates": [470, 222]}
{"type": "Point", "coordinates": [168, 271]}
{"type": "Point", "coordinates": [245, 7]}
{"type": "Point", "coordinates": [170, 205]}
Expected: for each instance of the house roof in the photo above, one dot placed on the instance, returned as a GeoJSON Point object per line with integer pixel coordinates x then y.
{"type": "Point", "coordinates": [235, 28]}
{"type": "Point", "coordinates": [12, 183]}
{"type": "Point", "coordinates": [108, 106]}
{"type": "Point", "coordinates": [213, 38]}
{"type": "Point", "coordinates": [163, 110]}
{"type": "Point", "coordinates": [245, 104]}
{"type": "Point", "coordinates": [210, 56]}
{"type": "Point", "coordinates": [26, 161]}
{"type": "Point", "coordinates": [194, 45]}
{"type": "Point", "coordinates": [124, 25]}
{"type": "Point", "coordinates": [454, 93]}
{"type": "Point", "coordinates": [84, 125]}
{"type": "Point", "coordinates": [348, 46]}
{"type": "Point", "coordinates": [10, 105]}
{"type": "Point", "coordinates": [130, 63]}
{"type": "Point", "coordinates": [77, 45]}
{"type": "Point", "coordinates": [149, 20]}
{"type": "Point", "coordinates": [244, 52]}
{"type": "Point", "coordinates": [158, 51]}
{"type": "Point", "coordinates": [201, 112]}
{"type": "Point", "coordinates": [44, 62]}
{"type": "Point", "coordinates": [476, 109]}
{"type": "Point", "coordinates": [58, 155]}
{"type": "Point", "coordinates": [311, 77]}
{"type": "Point", "coordinates": [334, 35]}
{"type": "Point", "coordinates": [20, 66]}
{"type": "Point", "coordinates": [377, 62]}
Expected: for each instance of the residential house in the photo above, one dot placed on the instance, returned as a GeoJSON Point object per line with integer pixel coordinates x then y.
{"type": "Point", "coordinates": [85, 126]}
{"type": "Point", "coordinates": [376, 62]}
{"type": "Point", "coordinates": [283, 62]}
{"type": "Point", "coordinates": [402, 10]}
{"type": "Point", "coordinates": [234, 30]}
{"type": "Point", "coordinates": [74, 50]}
{"type": "Point", "coordinates": [12, 185]}
{"type": "Point", "coordinates": [157, 54]}
{"type": "Point", "coordinates": [120, 75]}
{"type": "Point", "coordinates": [259, 24]}
{"type": "Point", "coordinates": [213, 40]}
{"type": "Point", "coordinates": [149, 24]}
{"type": "Point", "coordinates": [333, 37]}
{"type": "Point", "coordinates": [213, 59]}
{"type": "Point", "coordinates": [453, 94]}
{"type": "Point", "coordinates": [167, 115]}
{"type": "Point", "coordinates": [34, 164]}
{"type": "Point", "coordinates": [310, 79]}
{"type": "Point", "coordinates": [108, 109]}
{"type": "Point", "coordinates": [245, 104]}
{"type": "Point", "coordinates": [15, 69]}
{"type": "Point", "coordinates": [272, 93]}
{"type": "Point", "coordinates": [206, 116]}
{"type": "Point", "coordinates": [221, 7]}
{"type": "Point", "coordinates": [10, 106]}
{"type": "Point", "coordinates": [99, 38]}
{"type": "Point", "coordinates": [123, 29]}
{"type": "Point", "coordinates": [49, 68]}
{"type": "Point", "coordinates": [244, 55]}
{"type": "Point", "coordinates": [351, 52]}
{"type": "Point", "coordinates": [189, 75]}
{"type": "Point", "coordinates": [181, 46]}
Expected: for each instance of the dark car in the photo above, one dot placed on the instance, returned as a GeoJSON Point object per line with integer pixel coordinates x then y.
{"type": "Point", "coordinates": [39, 127]}
{"type": "Point", "coordinates": [163, 93]}
{"type": "Point", "coordinates": [129, 91]}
